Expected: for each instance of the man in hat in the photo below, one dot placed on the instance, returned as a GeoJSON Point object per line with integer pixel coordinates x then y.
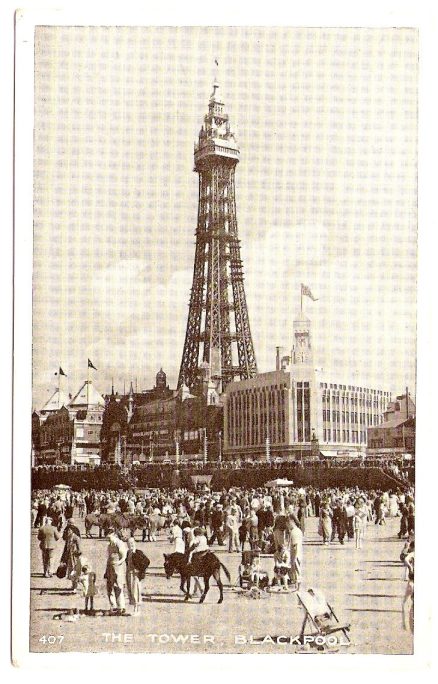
{"type": "Point", "coordinates": [217, 522]}
{"type": "Point", "coordinates": [115, 573]}
{"type": "Point", "coordinates": [71, 524]}
{"type": "Point", "coordinates": [48, 535]}
{"type": "Point", "coordinates": [339, 521]}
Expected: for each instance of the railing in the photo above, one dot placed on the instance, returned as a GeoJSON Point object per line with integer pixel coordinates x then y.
{"type": "Point", "coordinates": [211, 148]}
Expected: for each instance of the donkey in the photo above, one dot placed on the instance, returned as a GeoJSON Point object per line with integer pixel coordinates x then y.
{"type": "Point", "coordinates": [205, 566]}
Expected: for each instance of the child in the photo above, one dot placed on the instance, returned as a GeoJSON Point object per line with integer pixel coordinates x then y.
{"type": "Point", "coordinates": [282, 566]}
{"type": "Point", "coordinates": [245, 569]}
{"type": "Point", "coordinates": [383, 513]}
{"type": "Point", "coordinates": [87, 580]}
{"type": "Point", "coordinates": [198, 547]}
{"type": "Point", "coordinates": [259, 577]}
{"type": "Point", "coordinates": [267, 540]}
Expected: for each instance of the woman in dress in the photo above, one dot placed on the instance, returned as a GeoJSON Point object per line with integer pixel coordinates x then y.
{"type": "Point", "coordinates": [71, 555]}
{"type": "Point", "coordinates": [254, 529]}
{"type": "Point", "coordinates": [301, 514]}
{"type": "Point", "coordinates": [136, 565]}
{"type": "Point", "coordinates": [325, 523]}
{"type": "Point", "coordinates": [280, 533]}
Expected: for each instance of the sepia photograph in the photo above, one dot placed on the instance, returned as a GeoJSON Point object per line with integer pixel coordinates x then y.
{"type": "Point", "coordinates": [224, 339]}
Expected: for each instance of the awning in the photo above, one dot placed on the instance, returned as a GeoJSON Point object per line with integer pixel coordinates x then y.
{"type": "Point", "coordinates": [328, 454]}
{"type": "Point", "coordinates": [279, 482]}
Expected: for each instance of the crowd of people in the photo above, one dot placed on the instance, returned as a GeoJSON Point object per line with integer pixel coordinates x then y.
{"type": "Point", "coordinates": [268, 522]}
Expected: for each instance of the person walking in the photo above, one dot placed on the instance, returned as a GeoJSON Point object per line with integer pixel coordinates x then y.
{"type": "Point", "coordinates": [302, 514]}
{"type": "Point", "coordinates": [339, 521]}
{"type": "Point", "coordinates": [48, 535]}
{"type": "Point", "coordinates": [403, 521]}
{"type": "Point", "coordinates": [43, 506]}
{"type": "Point", "coordinates": [217, 522]}
{"type": "Point", "coordinates": [349, 518]}
{"type": "Point", "coordinates": [245, 528]}
{"type": "Point", "coordinates": [176, 536]}
{"type": "Point", "coordinates": [34, 512]}
{"type": "Point", "coordinates": [232, 525]}
{"type": "Point", "coordinates": [71, 555]}
{"type": "Point", "coordinates": [411, 516]}
{"type": "Point", "coordinates": [359, 519]}
{"type": "Point", "coordinates": [325, 528]}
{"type": "Point", "coordinates": [115, 573]}
{"type": "Point", "coordinates": [136, 565]}
{"type": "Point", "coordinates": [377, 508]}
{"type": "Point", "coordinates": [317, 504]}
{"type": "Point", "coordinates": [296, 552]}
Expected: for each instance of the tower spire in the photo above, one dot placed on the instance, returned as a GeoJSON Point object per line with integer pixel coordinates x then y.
{"type": "Point", "coordinates": [217, 288]}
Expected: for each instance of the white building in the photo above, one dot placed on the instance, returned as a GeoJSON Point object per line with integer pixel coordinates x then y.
{"type": "Point", "coordinates": [298, 411]}
{"type": "Point", "coordinates": [86, 408]}
{"type": "Point", "coordinates": [67, 430]}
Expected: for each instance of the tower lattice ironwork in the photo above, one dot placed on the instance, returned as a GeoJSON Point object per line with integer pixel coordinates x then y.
{"type": "Point", "coordinates": [218, 314]}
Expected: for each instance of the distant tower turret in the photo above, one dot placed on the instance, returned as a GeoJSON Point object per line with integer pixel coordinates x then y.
{"type": "Point", "coordinates": [302, 351]}
{"type": "Point", "coordinates": [130, 402]}
{"type": "Point", "coordinates": [161, 380]}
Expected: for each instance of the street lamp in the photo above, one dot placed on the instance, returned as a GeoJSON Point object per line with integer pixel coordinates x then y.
{"type": "Point", "coordinates": [314, 445]}
{"type": "Point", "coordinates": [220, 447]}
{"type": "Point", "coordinates": [205, 446]}
{"type": "Point", "coordinates": [268, 449]}
{"type": "Point", "coordinates": [177, 452]}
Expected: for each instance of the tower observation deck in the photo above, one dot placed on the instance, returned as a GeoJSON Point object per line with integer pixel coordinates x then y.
{"type": "Point", "coordinates": [218, 316]}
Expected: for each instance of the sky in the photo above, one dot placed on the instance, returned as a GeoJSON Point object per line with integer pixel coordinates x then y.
{"type": "Point", "coordinates": [326, 194]}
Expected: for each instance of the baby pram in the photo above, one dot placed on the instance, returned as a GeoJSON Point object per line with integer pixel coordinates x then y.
{"type": "Point", "coordinates": [250, 574]}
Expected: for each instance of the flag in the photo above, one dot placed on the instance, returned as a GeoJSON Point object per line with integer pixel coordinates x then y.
{"type": "Point", "coordinates": [216, 62]}
{"type": "Point", "coordinates": [306, 291]}
{"type": "Point", "coordinates": [61, 372]}
{"type": "Point", "coordinates": [90, 365]}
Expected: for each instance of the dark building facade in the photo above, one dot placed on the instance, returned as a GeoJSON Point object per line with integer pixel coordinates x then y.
{"type": "Point", "coordinates": [396, 435]}
{"type": "Point", "coordinates": [161, 424]}
{"type": "Point", "coordinates": [54, 437]}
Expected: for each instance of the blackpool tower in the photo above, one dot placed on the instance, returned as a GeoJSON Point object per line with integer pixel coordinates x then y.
{"type": "Point", "coordinates": [218, 333]}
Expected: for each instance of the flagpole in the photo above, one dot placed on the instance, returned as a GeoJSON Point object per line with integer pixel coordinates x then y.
{"type": "Point", "coordinates": [301, 298]}
{"type": "Point", "coordinates": [88, 380]}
